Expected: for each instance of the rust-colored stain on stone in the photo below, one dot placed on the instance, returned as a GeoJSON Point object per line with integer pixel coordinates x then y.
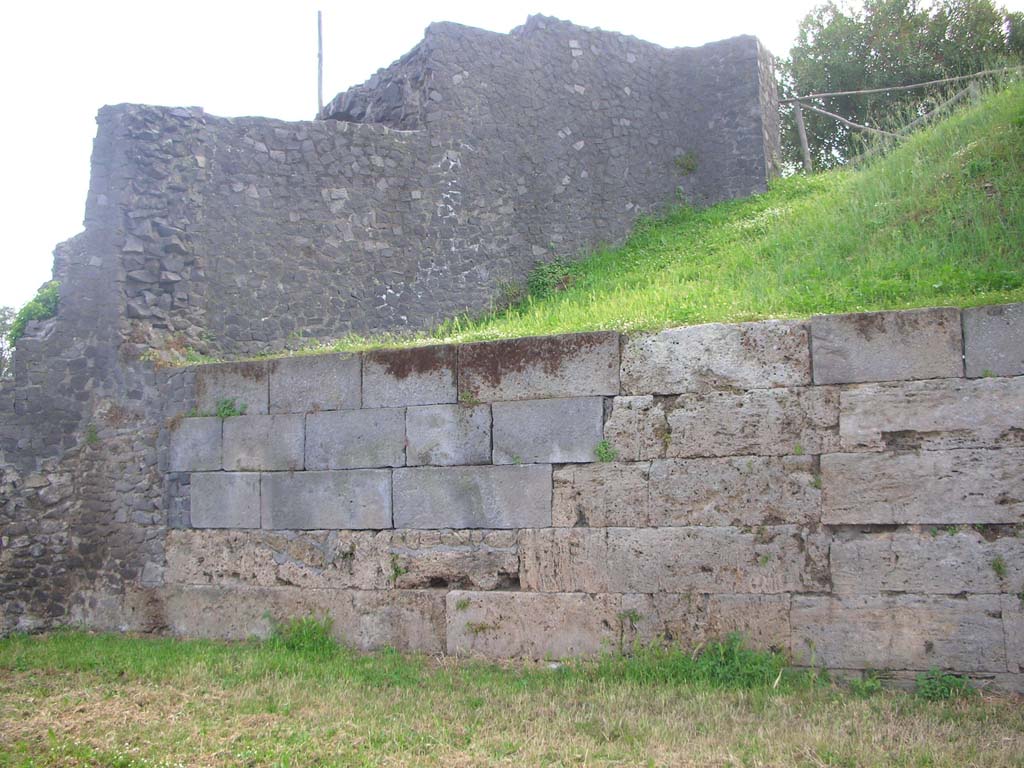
{"type": "Point", "coordinates": [492, 360]}
{"type": "Point", "coordinates": [402, 363]}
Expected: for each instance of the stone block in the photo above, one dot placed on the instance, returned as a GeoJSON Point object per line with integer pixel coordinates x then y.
{"type": "Point", "coordinates": [691, 620]}
{"type": "Point", "coordinates": [307, 559]}
{"type": "Point", "coordinates": [195, 445]}
{"type": "Point", "coordinates": [994, 340]}
{"type": "Point", "coordinates": [573, 365]}
{"type": "Point", "coordinates": [447, 435]}
{"type": "Point", "coordinates": [935, 562]}
{"type": "Point", "coordinates": [601, 495]}
{"type": "Point", "coordinates": [345, 499]}
{"type": "Point", "coordinates": [966, 486]}
{"type": "Point", "coordinates": [501, 625]}
{"type": "Point", "coordinates": [315, 383]}
{"type": "Point", "coordinates": [885, 346]}
{"type": "Point", "coordinates": [637, 428]}
{"type": "Point", "coordinates": [473, 497]}
{"type": "Point", "coordinates": [245, 383]}
{"type": "Point", "coordinates": [225, 499]}
{"type": "Point", "coordinates": [478, 560]}
{"type": "Point", "coordinates": [417, 376]}
{"type": "Point", "coordinates": [717, 356]}
{"type": "Point", "coordinates": [767, 422]}
{"type": "Point", "coordinates": [931, 415]}
{"type": "Point", "coordinates": [1013, 621]}
{"type": "Point", "coordinates": [912, 632]}
{"type": "Point", "coordinates": [406, 620]}
{"type": "Point", "coordinates": [738, 491]}
{"type": "Point", "coordinates": [373, 437]}
{"type": "Point", "coordinates": [264, 442]}
{"type": "Point", "coordinates": [555, 431]}
{"type": "Point", "coordinates": [776, 559]}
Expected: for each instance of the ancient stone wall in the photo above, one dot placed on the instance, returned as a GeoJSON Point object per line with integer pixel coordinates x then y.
{"type": "Point", "coordinates": [843, 489]}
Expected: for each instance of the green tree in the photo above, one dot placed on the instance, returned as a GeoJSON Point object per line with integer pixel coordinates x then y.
{"type": "Point", "coordinates": [6, 318]}
{"type": "Point", "coordinates": [883, 43]}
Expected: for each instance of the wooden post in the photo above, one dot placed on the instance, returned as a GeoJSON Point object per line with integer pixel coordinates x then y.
{"type": "Point", "coordinates": [319, 65]}
{"type": "Point", "coordinates": [798, 114]}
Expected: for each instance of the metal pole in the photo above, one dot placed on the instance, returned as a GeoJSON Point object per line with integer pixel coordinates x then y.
{"type": "Point", "coordinates": [319, 65]}
{"type": "Point", "coordinates": [798, 113]}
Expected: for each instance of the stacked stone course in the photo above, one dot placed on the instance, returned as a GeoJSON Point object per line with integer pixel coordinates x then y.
{"type": "Point", "coordinates": [783, 479]}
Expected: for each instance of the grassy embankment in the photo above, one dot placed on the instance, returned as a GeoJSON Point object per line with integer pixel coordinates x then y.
{"type": "Point", "coordinates": [72, 699]}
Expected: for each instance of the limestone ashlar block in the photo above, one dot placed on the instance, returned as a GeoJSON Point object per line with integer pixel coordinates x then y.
{"type": "Point", "coordinates": [316, 383]}
{"type": "Point", "coordinates": [690, 620]}
{"type": "Point", "coordinates": [417, 376]}
{"type": "Point", "coordinates": [936, 562]}
{"type": "Point", "coordinates": [408, 620]}
{"type": "Point", "coordinates": [345, 499]}
{"type": "Point", "coordinates": [532, 625]}
{"type": "Point", "coordinates": [372, 437]}
{"type": "Point", "coordinates": [601, 495]}
{"type": "Point", "coordinates": [941, 487]}
{"type": "Point", "coordinates": [225, 499]}
{"type": "Point", "coordinates": [517, 496]}
{"type": "Point", "coordinates": [556, 431]}
{"type": "Point", "coordinates": [717, 356]}
{"type": "Point", "coordinates": [737, 491]}
{"type": "Point", "coordinates": [573, 365]}
{"type": "Point", "coordinates": [637, 427]}
{"type": "Point", "coordinates": [776, 559]}
{"type": "Point", "coordinates": [447, 435]}
{"type": "Point", "coordinates": [887, 346]}
{"type": "Point", "coordinates": [766, 422]}
{"type": "Point", "coordinates": [931, 415]}
{"type": "Point", "coordinates": [900, 632]}
{"type": "Point", "coordinates": [245, 383]}
{"type": "Point", "coordinates": [1013, 619]}
{"type": "Point", "coordinates": [273, 442]}
{"type": "Point", "coordinates": [260, 558]}
{"type": "Point", "coordinates": [994, 340]}
{"type": "Point", "coordinates": [475, 559]}
{"type": "Point", "coordinates": [195, 445]}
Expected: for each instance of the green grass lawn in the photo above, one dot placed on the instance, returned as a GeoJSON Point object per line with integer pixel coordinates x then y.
{"type": "Point", "coordinates": [74, 699]}
{"type": "Point", "coordinates": [938, 221]}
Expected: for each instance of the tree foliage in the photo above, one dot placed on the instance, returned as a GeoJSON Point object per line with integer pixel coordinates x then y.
{"type": "Point", "coordinates": [841, 47]}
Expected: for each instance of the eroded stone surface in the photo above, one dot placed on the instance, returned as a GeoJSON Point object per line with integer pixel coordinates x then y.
{"type": "Point", "coordinates": [317, 383]}
{"type": "Point", "coordinates": [408, 620]}
{"type": "Point", "coordinates": [767, 422]}
{"type": "Point", "coordinates": [1013, 620]}
{"type": "Point", "coordinates": [273, 442]}
{"type": "Point", "coordinates": [717, 356]}
{"type": "Point", "coordinates": [900, 632]}
{"type": "Point", "coordinates": [931, 415]}
{"type": "Point", "coordinates": [699, 559]}
{"type": "Point", "coordinates": [554, 431]}
{"type": "Point", "coordinates": [354, 498]}
{"type": "Point", "coordinates": [225, 499]}
{"type": "Point", "coordinates": [446, 559]}
{"type": "Point", "coordinates": [195, 445]}
{"type": "Point", "coordinates": [530, 624]}
{"type": "Point", "coordinates": [245, 383]}
{"type": "Point", "coordinates": [965, 486]}
{"type": "Point", "coordinates": [600, 495]}
{"type": "Point", "coordinates": [573, 365]}
{"type": "Point", "coordinates": [374, 437]}
{"type": "Point", "coordinates": [883, 346]}
{"type": "Point", "coordinates": [417, 376]}
{"type": "Point", "coordinates": [637, 428]}
{"type": "Point", "coordinates": [994, 340]}
{"type": "Point", "coordinates": [936, 562]}
{"type": "Point", "coordinates": [473, 497]}
{"type": "Point", "coordinates": [447, 435]}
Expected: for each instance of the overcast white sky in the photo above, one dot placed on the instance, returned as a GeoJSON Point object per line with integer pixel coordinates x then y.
{"type": "Point", "coordinates": [61, 62]}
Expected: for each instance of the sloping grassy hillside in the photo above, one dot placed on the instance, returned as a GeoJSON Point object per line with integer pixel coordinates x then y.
{"type": "Point", "coordinates": [939, 221]}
